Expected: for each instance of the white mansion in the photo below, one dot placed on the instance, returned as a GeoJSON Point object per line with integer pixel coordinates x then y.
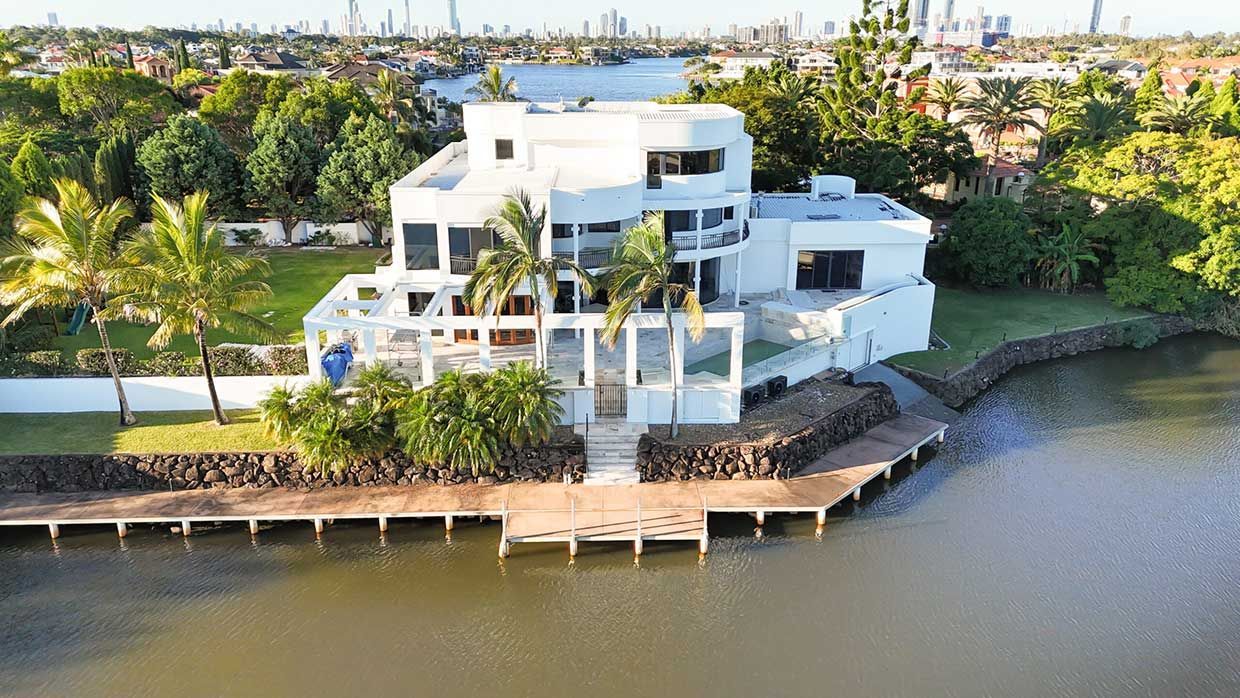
{"type": "Point", "coordinates": [794, 284]}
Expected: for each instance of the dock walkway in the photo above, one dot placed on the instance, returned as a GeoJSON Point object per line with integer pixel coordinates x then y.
{"type": "Point", "coordinates": [529, 512]}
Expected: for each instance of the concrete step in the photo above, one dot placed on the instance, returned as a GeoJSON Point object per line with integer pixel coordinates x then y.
{"type": "Point", "coordinates": [612, 478]}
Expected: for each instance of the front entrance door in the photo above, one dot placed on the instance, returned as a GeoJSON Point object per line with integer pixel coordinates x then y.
{"type": "Point", "coordinates": [516, 305]}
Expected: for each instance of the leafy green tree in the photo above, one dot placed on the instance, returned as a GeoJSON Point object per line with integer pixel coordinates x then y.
{"type": "Point", "coordinates": [642, 270]}
{"type": "Point", "coordinates": [10, 56]}
{"type": "Point", "coordinates": [877, 165]}
{"type": "Point", "coordinates": [182, 56]}
{"type": "Point", "coordinates": [30, 103]}
{"type": "Point", "coordinates": [186, 281]}
{"type": "Point", "coordinates": [64, 255]}
{"type": "Point", "coordinates": [930, 148]}
{"type": "Point", "coordinates": [365, 161]}
{"type": "Point", "coordinates": [113, 100]}
{"type": "Point", "coordinates": [225, 56]}
{"type": "Point", "coordinates": [128, 55]}
{"type": "Point", "coordinates": [11, 194]}
{"type": "Point", "coordinates": [33, 171]}
{"type": "Point", "coordinates": [492, 86]}
{"type": "Point", "coordinates": [234, 107]}
{"type": "Point", "coordinates": [189, 156]}
{"type": "Point", "coordinates": [517, 261]}
{"type": "Point", "coordinates": [324, 106]}
{"type": "Point", "coordinates": [1000, 104]}
{"type": "Point", "coordinates": [990, 242]}
{"type": "Point", "coordinates": [870, 68]}
{"type": "Point", "coordinates": [116, 171]}
{"type": "Point", "coordinates": [283, 169]}
{"type": "Point", "coordinates": [76, 166]}
{"type": "Point", "coordinates": [1097, 83]}
{"type": "Point", "coordinates": [1226, 107]}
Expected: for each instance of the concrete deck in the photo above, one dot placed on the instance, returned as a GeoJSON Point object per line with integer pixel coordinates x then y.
{"type": "Point", "coordinates": [530, 512]}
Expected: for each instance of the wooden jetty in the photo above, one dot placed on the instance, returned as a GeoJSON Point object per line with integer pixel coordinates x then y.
{"type": "Point", "coordinates": [528, 512]}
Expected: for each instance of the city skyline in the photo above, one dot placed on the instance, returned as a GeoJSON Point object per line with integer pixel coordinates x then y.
{"type": "Point", "coordinates": [1148, 17]}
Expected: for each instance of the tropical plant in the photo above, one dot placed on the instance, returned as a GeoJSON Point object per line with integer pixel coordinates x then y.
{"type": "Point", "coordinates": [1180, 114]}
{"type": "Point", "coordinates": [792, 89]}
{"type": "Point", "coordinates": [1061, 256]}
{"type": "Point", "coordinates": [1054, 95]}
{"type": "Point", "coordinates": [492, 86]}
{"type": "Point", "coordinates": [518, 260]}
{"type": "Point", "coordinates": [325, 428]}
{"type": "Point", "coordinates": [999, 105]}
{"type": "Point", "coordinates": [524, 403]}
{"type": "Point", "coordinates": [451, 423]}
{"type": "Point", "coordinates": [1098, 118]}
{"type": "Point", "coordinates": [643, 269]}
{"type": "Point", "coordinates": [186, 281]}
{"type": "Point", "coordinates": [10, 56]}
{"type": "Point", "coordinates": [63, 255]}
{"type": "Point", "coordinates": [947, 94]}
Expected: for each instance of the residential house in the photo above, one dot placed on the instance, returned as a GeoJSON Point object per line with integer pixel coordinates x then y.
{"type": "Point", "coordinates": [1010, 181]}
{"type": "Point", "coordinates": [734, 63]}
{"type": "Point", "coordinates": [155, 67]}
{"type": "Point", "coordinates": [274, 63]}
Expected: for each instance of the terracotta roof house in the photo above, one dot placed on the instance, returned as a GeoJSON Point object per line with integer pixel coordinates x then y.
{"type": "Point", "coordinates": [364, 73]}
{"type": "Point", "coordinates": [154, 67]}
{"type": "Point", "coordinates": [1011, 180]}
{"type": "Point", "coordinates": [274, 62]}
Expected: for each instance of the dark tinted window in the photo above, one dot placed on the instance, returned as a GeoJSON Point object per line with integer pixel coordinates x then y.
{"type": "Point", "coordinates": [421, 245]}
{"type": "Point", "coordinates": [711, 217]}
{"type": "Point", "coordinates": [606, 227]}
{"type": "Point", "coordinates": [561, 230]}
{"type": "Point", "coordinates": [834, 269]}
{"type": "Point", "coordinates": [679, 221]}
{"type": "Point", "coordinates": [503, 148]}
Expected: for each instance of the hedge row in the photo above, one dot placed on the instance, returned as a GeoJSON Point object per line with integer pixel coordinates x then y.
{"type": "Point", "coordinates": [278, 360]}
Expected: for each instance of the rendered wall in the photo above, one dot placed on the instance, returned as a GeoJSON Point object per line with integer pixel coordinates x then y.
{"type": "Point", "coordinates": [146, 394]}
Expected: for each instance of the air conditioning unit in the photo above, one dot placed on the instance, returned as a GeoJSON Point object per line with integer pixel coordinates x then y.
{"type": "Point", "coordinates": [753, 395]}
{"type": "Point", "coordinates": [776, 386]}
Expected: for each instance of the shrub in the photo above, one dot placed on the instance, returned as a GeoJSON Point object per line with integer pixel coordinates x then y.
{"type": "Point", "coordinates": [990, 243]}
{"type": "Point", "coordinates": [234, 361]}
{"type": "Point", "coordinates": [94, 361]}
{"type": "Point", "coordinates": [170, 363]}
{"type": "Point", "coordinates": [29, 338]}
{"type": "Point", "coordinates": [322, 238]}
{"type": "Point", "coordinates": [1139, 334]}
{"type": "Point", "coordinates": [247, 236]}
{"type": "Point", "coordinates": [46, 363]}
{"type": "Point", "coordinates": [286, 360]}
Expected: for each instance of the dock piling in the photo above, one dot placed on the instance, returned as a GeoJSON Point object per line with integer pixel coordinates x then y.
{"type": "Point", "coordinates": [185, 528]}
{"type": "Point", "coordinates": [913, 455]}
{"type": "Point", "coordinates": [941, 437]}
{"type": "Point", "coordinates": [887, 473]}
{"type": "Point", "coordinates": [54, 529]}
{"type": "Point", "coordinates": [383, 526]}
{"type": "Point", "coordinates": [318, 526]}
{"type": "Point", "coordinates": [253, 527]}
{"type": "Point", "coordinates": [122, 529]}
{"type": "Point", "coordinates": [760, 517]}
{"type": "Point", "coordinates": [447, 523]}
{"type": "Point", "coordinates": [857, 494]}
{"type": "Point", "coordinates": [822, 517]}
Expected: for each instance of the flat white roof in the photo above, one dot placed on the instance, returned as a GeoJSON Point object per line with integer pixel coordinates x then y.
{"type": "Point", "coordinates": [456, 176]}
{"type": "Point", "coordinates": [828, 207]}
{"type": "Point", "coordinates": [644, 111]}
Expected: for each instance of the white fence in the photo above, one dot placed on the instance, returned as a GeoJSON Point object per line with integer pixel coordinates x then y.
{"type": "Point", "coordinates": [146, 394]}
{"type": "Point", "coordinates": [272, 232]}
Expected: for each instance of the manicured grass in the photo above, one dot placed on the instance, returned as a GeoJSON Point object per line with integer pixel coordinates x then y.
{"type": "Point", "coordinates": [751, 353]}
{"type": "Point", "coordinates": [299, 278]}
{"type": "Point", "coordinates": [155, 432]}
{"type": "Point", "coordinates": [976, 321]}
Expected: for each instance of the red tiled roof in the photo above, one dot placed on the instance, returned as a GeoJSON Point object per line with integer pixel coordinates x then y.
{"type": "Point", "coordinates": [1002, 168]}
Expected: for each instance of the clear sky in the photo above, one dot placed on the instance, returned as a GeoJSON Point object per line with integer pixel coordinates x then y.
{"type": "Point", "coordinates": [1149, 16]}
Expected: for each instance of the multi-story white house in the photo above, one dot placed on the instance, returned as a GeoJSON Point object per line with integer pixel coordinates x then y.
{"type": "Point", "coordinates": [794, 284]}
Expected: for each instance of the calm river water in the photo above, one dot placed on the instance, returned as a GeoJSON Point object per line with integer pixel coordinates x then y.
{"type": "Point", "coordinates": [642, 78]}
{"type": "Point", "coordinates": [1079, 534]}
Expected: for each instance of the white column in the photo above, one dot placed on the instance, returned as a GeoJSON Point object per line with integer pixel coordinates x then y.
{"type": "Point", "coordinates": [368, 346]}
{"type": "Point", "coordinates": [312, 351]}
{"type": "Point", "coordinates": [737, 302]}
{"type": "Point", "coordinates": [587, 345]}
{"type": "Point", "coordinates": [699, 233]}
{"type": "Point", "coordinates": [630, 356]}
{"type": "Point", "coordinates": [678, 360]}
{"type": "Point", "coordinates": [736, 365]}
{"type": "Point", "coordinates": [697, 277]}
{"type": "Point", "coordinates": [576, 281]}
{"type": "Point", "coordinates": [484, 346]}
{"type": "Point", "coordinates": [428, 357]}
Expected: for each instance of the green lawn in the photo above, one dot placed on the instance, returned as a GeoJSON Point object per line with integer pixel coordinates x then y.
{"type": "Point", "coordinates": [155, 432]}
{"type": "Point", "coordinates": [751, 353]}
{"type": "Point", "coordinates": [977, 321]}
{"type": "Point", "coordinates": [299, 278]}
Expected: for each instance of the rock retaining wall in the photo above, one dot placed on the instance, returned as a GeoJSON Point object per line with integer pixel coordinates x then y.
{"type": "Point", "coordinates": [77, 473]}
{"type": "Point", "coordinates": [776, 459]}
{"type": "Point", "coordinates": [965, 384]}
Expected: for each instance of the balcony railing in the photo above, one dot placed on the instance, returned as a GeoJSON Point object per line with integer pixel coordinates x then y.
{"type": "Point", "coordinates": [711, 241]}
{"type": "Point", "coordinates": [590, 258]}
{"type": "Point", "coordinates": [462, 265]}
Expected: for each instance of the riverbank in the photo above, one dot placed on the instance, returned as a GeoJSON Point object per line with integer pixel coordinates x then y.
{"type": "Point", "coordinates": [957, 388]}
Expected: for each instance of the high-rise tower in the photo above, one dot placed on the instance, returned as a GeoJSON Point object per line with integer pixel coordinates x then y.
{"type": "Point", "coordinates": [454, 22]}
{"type": "Point", "coordinates": [1095, 16]}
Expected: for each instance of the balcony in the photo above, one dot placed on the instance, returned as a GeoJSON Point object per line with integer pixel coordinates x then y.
{"type": "Point", "coordinates": [458, 264]}
{"type": "Point", "coordinates": [710, 241]}
{"type": "Point", "coordinates": [588, 258]}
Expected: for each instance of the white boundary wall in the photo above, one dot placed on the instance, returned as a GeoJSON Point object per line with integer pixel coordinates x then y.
{"type": "Point", "coordinates": [146, 394]}
{"type": "Point", "coordinates": [273, 232]}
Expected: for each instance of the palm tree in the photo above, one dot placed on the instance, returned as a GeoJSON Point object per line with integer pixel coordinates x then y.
{"type": "Point", "coordinates": [184, 279]}
{"type": "Point", "coordinates": [947, 94]}
{"type": "Point", "coordinates": [999, 105]}
{"type": "Point", "coordinates": [642, 268]}
{"type": "Point", "coordinates": [323, 428]}
{"type": "Point", "coordinates": [792, 89]}
{"type": "Point", "coordinates": [10, 56]}
{"type": "Point", "coordinates": [492, 86]}
{"type": "Point", "coordinates": [1054, 95]}
{"type": "Point", "coordinates": [392, 98]}
{"type": "Point", "coordinates": [1097, 118]}
{"type": "Point", "coordinates": [518, 260]}
{"type": "Point", "coordinates": [524, 403]}
{"type": "Point", "coordinates": [1180, 114]}
{"type": "Point", "coordinates": [1063, 255]}
{"type": "Point", "coordinates": [451, 423]}
{"type": "Point", "coordinates": [64, 255]}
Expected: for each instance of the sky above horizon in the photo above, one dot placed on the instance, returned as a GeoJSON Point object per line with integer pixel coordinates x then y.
{"type": "Point", "coordinates": [1149, 17]}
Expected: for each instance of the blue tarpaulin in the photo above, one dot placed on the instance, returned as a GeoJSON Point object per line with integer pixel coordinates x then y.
{"type": "Point", "coordinates": [336, 361]}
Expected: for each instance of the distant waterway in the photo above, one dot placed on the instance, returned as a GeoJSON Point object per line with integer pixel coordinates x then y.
{"type": "Point", "coordinates": [1077, 535]}
{"type": "Point", "coordinates": [642, 78]}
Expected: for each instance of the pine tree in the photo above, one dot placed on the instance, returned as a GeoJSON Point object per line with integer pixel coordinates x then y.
{"type": "Point", "coordinates": [116, 171]}
{"type": "Point", "coordinates": [76, 166]}
{"type": "Point", "coordinates": [1224, 107]}
{"type": "Point", "coordinates": [225, 58]}
{"type": "Point", "coordinates": [1149, 94]}
{"type": "Point", "coordinates": [32, 171]}
{"type": "Point", "coordinates": [128, 55]}
{"type": "Point", "coordinates": [182, 55]}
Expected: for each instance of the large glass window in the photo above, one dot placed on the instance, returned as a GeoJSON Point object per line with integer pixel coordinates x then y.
{"type": "Point", "coordinates": [503, 148]}
{"type": "Point", "coordinates": [688, 162]}
{"type": "Point", "coordinates": [679, 221]}
{"type": "Point", "coordinates": [605, 227]}
{"type": "Point", "coordinates": [835, 269]}
{"type": "Point", "coordinates": [468, 242]}
{"type": "Point", "coordinates": [711, 217]}
{"type": "Point", "coordinates": [421, 245]}
{"type": "Point", "coordinates": [561, 230]}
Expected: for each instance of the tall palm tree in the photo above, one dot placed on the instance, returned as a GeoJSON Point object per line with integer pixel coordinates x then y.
{"type": "Point", "coordinates": [1054, 95]}
{"type": "Point", "coordinates": [187, 281]}
{"type": "Point", "coordinates": [518, 260]}
{"type": "Point", "coordinates": [392, 98]}
{"type": "Point", "coordinates": [792, 89]}
{"type": "Point", "coordinates": [64, 255]}
{"type": "Point", "coordinates": [642, 268]}
{"type": "Point", "coordinates": [10, 56]}
{"type": "Point", "coordinates": [947, 94]}
{"type": "Point", "coordinates": [1180, 114]}
{"type": "Point", "coordinates": [1000, 104]}
{"type": "Point", "coordinates": [1098, 118]}
{"type": "Point", "coordinates": [492, 86]}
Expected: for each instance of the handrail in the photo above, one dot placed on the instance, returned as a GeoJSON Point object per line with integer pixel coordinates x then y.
{"type": "Point", "coordinates": [461, 264]}
{"type": "Point", "coordinates": [709, 242]}
{"type": "Point", "coordinates": [589, 257]}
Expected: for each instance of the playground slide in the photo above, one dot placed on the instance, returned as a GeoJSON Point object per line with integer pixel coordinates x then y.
{"type": "Point", "coordinates": [79, 320]}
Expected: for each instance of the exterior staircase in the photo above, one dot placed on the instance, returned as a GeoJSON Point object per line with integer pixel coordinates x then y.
{"type": "Point", "coordinates": [611, 452]}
